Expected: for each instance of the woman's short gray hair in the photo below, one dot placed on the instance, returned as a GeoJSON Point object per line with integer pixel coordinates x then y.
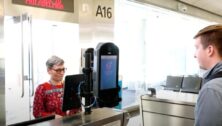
{"type": "Point", "coordinates": [54, 60]}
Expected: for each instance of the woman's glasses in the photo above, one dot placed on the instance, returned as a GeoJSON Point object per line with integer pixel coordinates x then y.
{"type": "Point", "coordinates": [60, 70]}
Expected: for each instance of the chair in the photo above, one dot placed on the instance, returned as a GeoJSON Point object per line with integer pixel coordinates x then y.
{"type": "Point", "coordinates": [191, 84]}
{"type": "Point", "coordinates": [173, 83]}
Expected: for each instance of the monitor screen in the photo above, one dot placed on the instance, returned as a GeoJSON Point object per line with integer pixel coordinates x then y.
{"type": "Point", "coordinates": [108, 79]}
{"type": "Point", "coordinates": [70, 96]}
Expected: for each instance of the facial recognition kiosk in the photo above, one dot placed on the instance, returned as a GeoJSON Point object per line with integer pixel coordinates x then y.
{"type": "Point", "coordinates": [105, 75]}
{"type": "Point", "coordinates": [99, 82]}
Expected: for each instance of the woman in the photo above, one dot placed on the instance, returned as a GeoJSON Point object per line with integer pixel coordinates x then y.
{"type": "Point", "coordinates": [48, 96]}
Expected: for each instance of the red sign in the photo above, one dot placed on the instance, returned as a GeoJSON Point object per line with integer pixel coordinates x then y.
{"type": "Point", "coordinates": [63, 5]}
{"type": "Point", "coordinates": [57, 4]}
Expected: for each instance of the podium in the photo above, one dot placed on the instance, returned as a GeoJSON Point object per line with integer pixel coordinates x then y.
{"type": "Point", "coordinates": [168, 109]}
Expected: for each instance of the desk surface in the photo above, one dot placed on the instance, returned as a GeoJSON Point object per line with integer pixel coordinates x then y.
{"type": "Point", "coordinates": [130, 97]}
{"type": "Point", "coordinates": [98, 117]}
{"type": "Point", "coordinates": [174, 97]}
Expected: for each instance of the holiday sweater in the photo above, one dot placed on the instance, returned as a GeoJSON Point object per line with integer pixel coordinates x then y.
{"type": "Point", "coordinates": [48, 101]}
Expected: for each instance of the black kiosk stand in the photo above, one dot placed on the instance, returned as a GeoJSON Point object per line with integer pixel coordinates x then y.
{"type": "Point", "coordinates": [87, 87]}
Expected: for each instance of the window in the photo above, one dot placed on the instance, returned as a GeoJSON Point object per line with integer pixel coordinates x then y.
{"type": "Point", "coordinates": [154, 43]}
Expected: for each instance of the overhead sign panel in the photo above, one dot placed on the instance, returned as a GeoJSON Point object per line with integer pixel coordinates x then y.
{"type": "Point", "coordinates": [62, 5]}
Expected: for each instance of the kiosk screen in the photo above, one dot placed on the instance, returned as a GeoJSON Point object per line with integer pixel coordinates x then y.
{"type": "Point", "coordinates": [108, 72]}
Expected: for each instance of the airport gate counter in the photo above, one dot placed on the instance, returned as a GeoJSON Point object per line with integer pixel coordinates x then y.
{"type": "Point", "coordinates": [168, 108]}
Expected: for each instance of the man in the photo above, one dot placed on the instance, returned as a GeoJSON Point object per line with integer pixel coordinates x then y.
{"type": "Point", "coordinates": [208, 44]}
{"type": "Point", "coordinates": [48, 96]}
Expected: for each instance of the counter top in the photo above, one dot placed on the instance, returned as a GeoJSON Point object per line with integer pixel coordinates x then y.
{"type": "Point", "coordinates": [172, 97]}
{"type": "Point", "coordinates": [98, 117]}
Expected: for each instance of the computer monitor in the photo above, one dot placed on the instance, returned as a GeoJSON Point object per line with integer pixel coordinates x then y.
{"type": "Point", "coordinates": [71, 98]}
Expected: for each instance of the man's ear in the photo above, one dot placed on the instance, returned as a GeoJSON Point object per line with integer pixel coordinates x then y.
{"type": "Point", "coordinates": [211, 50]}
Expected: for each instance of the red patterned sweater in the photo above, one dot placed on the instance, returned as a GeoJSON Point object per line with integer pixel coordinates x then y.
{"type": "Point", "coordinates": [48, 101]}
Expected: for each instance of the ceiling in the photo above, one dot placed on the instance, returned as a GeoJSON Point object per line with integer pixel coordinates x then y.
{"type": "Point", "coordinates": [213, 6]}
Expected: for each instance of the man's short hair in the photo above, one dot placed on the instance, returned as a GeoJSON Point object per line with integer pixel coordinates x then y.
{"type": "Point", "coordinates": [54, 60]}
{"type": "Point", "coordinates": [209, 29]}
{"type": "Point", "coordinates": [211, 35]}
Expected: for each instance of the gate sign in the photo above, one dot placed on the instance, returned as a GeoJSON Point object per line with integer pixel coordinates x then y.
{"type": "Point", "coordinates": [62, 5]}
